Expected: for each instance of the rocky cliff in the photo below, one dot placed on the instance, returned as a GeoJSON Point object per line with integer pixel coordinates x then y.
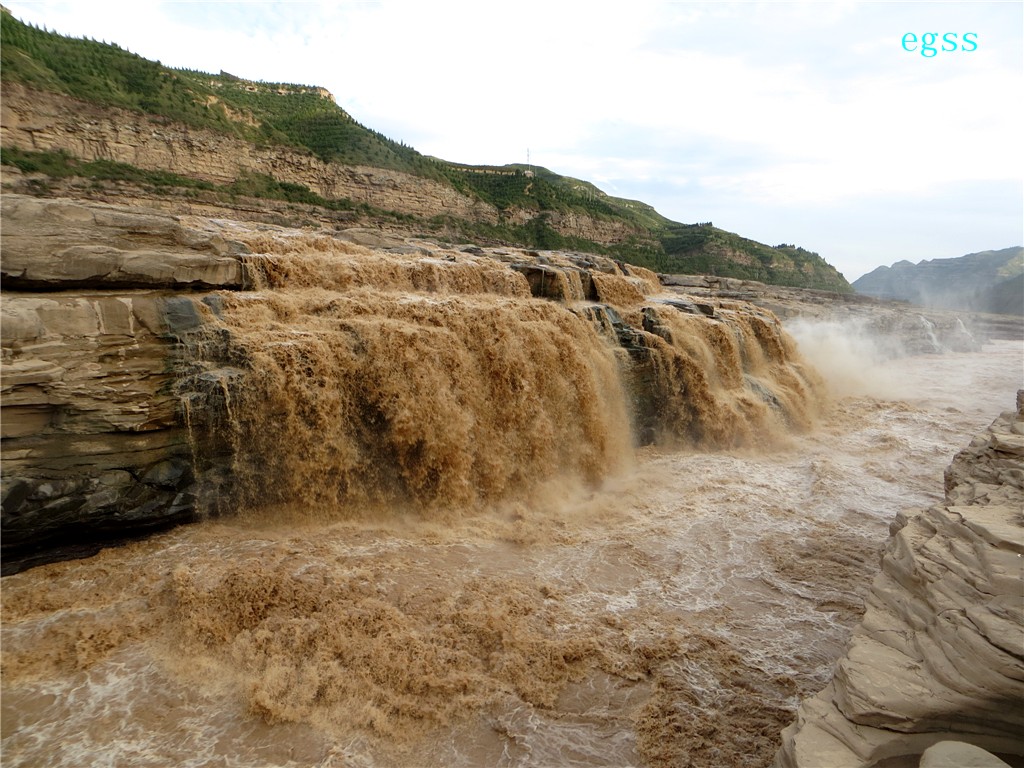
{"type": "Point", "coordinates": [160, 367]}
{"type": "Point", "coordinates": [939, 654]}
{"type": "Point", "coordinates": [990, 281]}
{"type": "Point", "coordinates": [37, 120]}
{"type": "Point", "coordinates": [41, 121]}
{"type": "Point", "coordinates": [94, 301]}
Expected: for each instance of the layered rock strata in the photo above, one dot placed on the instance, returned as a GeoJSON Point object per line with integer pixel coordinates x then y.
{"type": "Point", "coordinates": [96, 301]}
{"type": "Point", "coordinates": [939, 653]}
{"type": "Point", "coordinates": [37, 121]}
{"type": "Point", "coordinates": [140, 351]}
{"type": "Point", "coordinates": [33, 120]}
{"type": "Point", "coordinates": [56, 245]}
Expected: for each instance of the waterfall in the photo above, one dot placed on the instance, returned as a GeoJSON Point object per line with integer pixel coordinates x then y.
{"type": "Point", "coordinates": [355, 379]}
{"type": "Point", "coordinates": [929, 329]}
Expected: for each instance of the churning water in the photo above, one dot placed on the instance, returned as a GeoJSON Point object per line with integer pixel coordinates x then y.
{"type": "Point", "coordinates": [467, 563]}
{"type": "Point", "coordinates": [672, 616]}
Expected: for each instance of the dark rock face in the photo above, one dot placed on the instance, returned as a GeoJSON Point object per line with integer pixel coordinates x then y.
{"type": "Point", "coordinates": [92, 443]}
{"type": "Point", "coordinates": [990, 281]}
{"type": "Point", "coordinates": [94, 447]}
{"type": "Point", "coordinates": [81, 512]}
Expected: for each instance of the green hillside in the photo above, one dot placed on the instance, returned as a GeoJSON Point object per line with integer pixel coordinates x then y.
{"type": "Point", "coordinates": [308, 119]}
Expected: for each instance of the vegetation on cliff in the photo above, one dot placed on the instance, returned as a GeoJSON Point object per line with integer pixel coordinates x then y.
{"type": "Point", "coordinates": [62, 165]}
{"type": "Point", "coordinates": [532, 201]}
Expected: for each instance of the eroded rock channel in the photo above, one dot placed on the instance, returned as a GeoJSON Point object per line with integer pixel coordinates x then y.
{"type": "Point", "coordinates": [161, 368]}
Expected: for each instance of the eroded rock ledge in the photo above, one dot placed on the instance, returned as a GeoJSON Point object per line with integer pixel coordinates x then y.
{"type": "Point", "coordinates": [939, 654]}
{"type": "Point", "coordinates": [96, 300]}
{"type": "Point", "coordinates": [131, 339]}
{"type": "Point", "coordinates": [123, 371]}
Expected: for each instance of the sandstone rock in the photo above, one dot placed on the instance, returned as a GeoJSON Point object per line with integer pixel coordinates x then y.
{"type": "Point", "coordinates": [939, 653]}
{"type": "Point", "coordinates": [549, 282]}
{"type": "Point", "coordinates": [92, 444]}
{"type": "Point", "coordinates": [372, 238]}
{"type": "Point", "coordinates": [34, 120]}
{"type": "Point", "coordinates": [50, 244]}
{"type": "Point", "coordinates": [689, 306]}
{"type": "Point", "coordinates": [956, 754]}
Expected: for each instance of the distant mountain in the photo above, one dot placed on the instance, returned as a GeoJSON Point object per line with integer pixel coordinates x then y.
{"type": "Point", "coordinates": [82, 108]}
{"type": "Point", "coordinates": [989, 281]}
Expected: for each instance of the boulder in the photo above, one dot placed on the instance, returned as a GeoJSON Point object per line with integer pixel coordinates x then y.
{"type": "Point", "coordinates": [956, 754]}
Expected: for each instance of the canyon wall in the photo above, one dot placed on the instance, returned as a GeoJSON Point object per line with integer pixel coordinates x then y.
{"type": "Point", "coordinates": [95, 302]}
{"type": "Point", "coordinates": [159, 368]}
{"type": "Point", "coordinates": [939, 654]}
{"type": "Point", "coordinates": [37, 121]}
{"type": "Point", "coordinates": [34, 120]}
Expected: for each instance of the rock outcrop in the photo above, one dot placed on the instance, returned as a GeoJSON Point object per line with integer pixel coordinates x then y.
{"type": "Point", "coordinates": [61, 245]}
{"type": "Point", "coordinates": [148, 356]}
{"type": "Point", "coordinates": [939, 653]}
{"type": "Point", "coordinates": [95, 301]}
{"type": "Point", "coordinates": [957, 754]}
{"type": "Point", "coordinates": [39, 121]}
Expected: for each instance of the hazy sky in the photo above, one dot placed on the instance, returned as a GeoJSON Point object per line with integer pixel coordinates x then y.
{"type": "Point", "coordinates": [798, 122]}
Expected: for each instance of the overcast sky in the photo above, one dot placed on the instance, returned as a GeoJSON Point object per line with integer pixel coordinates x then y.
{"type": "Point", "coordinates": [798, 122]}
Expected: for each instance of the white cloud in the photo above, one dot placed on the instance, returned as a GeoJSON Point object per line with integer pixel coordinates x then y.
{"type": "Point", "coordinates": [808, 106]}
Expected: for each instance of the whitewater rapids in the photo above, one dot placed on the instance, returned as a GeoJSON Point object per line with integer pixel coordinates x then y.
{"type": "Point", "coordinates": [674, 616]}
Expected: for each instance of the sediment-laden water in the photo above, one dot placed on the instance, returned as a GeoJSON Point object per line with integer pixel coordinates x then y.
{"type": "Point", "coordinates": [357, 383]}
{"type": "Point", "coordinates": [438, 543]}
{"type": "Point", "coordinates": [671, 615]}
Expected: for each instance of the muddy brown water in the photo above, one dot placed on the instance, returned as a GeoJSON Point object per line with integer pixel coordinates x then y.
{"type": "Point", "coordinates": [666, 608]}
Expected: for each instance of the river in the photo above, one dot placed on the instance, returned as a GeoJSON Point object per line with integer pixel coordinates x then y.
{"type": "Point", "coordinates": [672, 616]}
